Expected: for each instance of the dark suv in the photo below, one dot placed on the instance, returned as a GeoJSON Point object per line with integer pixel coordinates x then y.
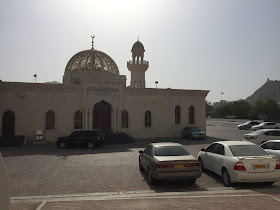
{"type": "Point", "coordinates": [89, 138]}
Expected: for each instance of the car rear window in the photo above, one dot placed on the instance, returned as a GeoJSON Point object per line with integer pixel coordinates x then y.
{"type": "Point", "coordinates": [170, 151]}
{"type": "Point", "coordinates": [247, 150]}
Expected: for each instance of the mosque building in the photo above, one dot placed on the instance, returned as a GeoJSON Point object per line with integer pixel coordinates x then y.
{"type": "Point", "coordinates": [94, 95]}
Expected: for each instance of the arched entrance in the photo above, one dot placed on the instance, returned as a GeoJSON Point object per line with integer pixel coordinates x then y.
{"type": "Point", "coordinates": [102, 116]}
{"type": "Point", "coordinates": [8, 124]}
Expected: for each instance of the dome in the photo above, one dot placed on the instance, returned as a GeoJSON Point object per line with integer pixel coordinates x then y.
{"type": "Point", "coordinates": [82, 62]}
{"type": "Point", "coordinates": [138, 46]}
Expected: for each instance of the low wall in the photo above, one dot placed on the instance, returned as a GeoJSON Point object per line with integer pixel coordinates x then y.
{"type": "Point", "coordinates": [4, 186]}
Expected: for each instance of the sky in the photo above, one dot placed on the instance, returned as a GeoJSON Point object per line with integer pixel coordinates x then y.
{"type": "Point", "coordinates": [225, 46]}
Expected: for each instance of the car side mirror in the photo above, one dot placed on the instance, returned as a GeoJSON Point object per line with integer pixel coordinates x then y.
{"type": "Point", "coordinates": [141, 151]}
{"type": "Point", "coordinates": [203, 149]}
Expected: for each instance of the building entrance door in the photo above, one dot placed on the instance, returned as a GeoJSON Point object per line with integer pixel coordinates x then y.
{"type": "Point", "coordinates": [8, 124]}
{"type": "Point", "coordinates": [102, 116]}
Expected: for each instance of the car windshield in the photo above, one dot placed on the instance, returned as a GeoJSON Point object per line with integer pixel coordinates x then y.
{"type": "Point", "coordinates": [170, 151]}
{"type": "Point", "coordinates": [194, 129]}
{"type": "Point", "coordinates": [247, 150]}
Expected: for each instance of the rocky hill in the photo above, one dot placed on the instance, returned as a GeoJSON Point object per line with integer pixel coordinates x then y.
{"type": "Point", "coordinates": [270, 89]}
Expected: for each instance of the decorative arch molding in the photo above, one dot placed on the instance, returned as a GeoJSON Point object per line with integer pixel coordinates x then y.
{"type": "Point", "coordinates": [124, 119]}
{"type": "Point", "coordinates": [50, 120]}
{"type": "Point", "coordinates": [78, 119]}
{"type": "Point", "coordinates": [102, 116]}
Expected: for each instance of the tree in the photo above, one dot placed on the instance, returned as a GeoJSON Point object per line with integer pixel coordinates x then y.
{"type": "Point", "coordinates": [269, 108]}
{"type": "Point", "coordinates": [240, 109]}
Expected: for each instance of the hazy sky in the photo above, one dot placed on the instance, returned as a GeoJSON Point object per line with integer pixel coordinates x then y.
{"type": "Point", "coordinates": [229, 46]}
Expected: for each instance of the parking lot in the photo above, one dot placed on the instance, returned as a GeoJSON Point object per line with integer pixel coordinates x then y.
{"type": "Point", "coordinates": [43, 169]}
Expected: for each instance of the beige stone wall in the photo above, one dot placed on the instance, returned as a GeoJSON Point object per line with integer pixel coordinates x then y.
{"type": "Point", "coordinates": [4, 186]}
{"type": "Point", "coordinates": [30, 102]}
{"type": "Point", "coordinates": [161, 103]}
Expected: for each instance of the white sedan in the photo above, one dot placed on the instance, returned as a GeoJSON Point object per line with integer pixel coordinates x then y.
{"type": "Point", "coordinates": [261, 136]}
{"type": "Point", "coordinates": [272, 147]}
{"type": "Point", "coordinates": [240, 161]}
{"type": "Point", "coordinates": [265, 125]}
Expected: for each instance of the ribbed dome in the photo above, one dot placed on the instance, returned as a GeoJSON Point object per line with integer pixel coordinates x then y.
{"type": "Point", "coordinates": [82, 61]}
{"type": "Point", "coordinates": [138, 46]}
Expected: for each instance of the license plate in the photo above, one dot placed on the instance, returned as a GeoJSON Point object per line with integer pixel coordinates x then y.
{"type": "Point", "coordinates": [178, 166]}
{"type": "Point", "coordinates": [260, 166]}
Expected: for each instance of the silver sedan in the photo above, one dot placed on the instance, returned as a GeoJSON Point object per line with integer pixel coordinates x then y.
{"type": "Point", "coordinates": [168, 160]}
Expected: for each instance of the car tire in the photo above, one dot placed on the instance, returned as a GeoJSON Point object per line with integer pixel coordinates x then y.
{"type": "Point", "coordinates": [151, 179]}
{"type": "Point", "coordinates": [226, 178]}
{"type": "Point", "coordinates": [90, 144]}
{"type": "Point", "coordinates": [276, 128]}
{"type": "Point", "coordinates": [140, 166]}
{"type": "Point", "coordinates": [62, 144]}
{"type": "Point", "coordinates": [192, 181]}
{"type": "Point", "coordinates": [201, 164]}
{"type": "Point", "coordinates": [269, 183]}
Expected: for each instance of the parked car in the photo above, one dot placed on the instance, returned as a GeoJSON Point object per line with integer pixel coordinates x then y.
{"type": "Point", "coordinates": [89, 138]}
{"type": "Point", "coordinates": [265, 125]}
{"type": "Point", "coordinates": [261, 136]}
{"type": "Point", "coordinates": [193, 133]}
{"type": "Point", "coordinates": [247, 125]}
{"type": "Point", "coordinates": [272, 147]}
{"type": "Point", "coordinates": [168, 160]}
{"type": "Point", "coordinates": [240, 161]}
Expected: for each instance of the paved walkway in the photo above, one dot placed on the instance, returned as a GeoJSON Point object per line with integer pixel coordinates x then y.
{"type": "Point", "coordinates": [211, 198]}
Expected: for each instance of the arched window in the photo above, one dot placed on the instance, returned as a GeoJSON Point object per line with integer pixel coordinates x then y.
{"type": "Point", "coordinates": [191, 115]}
{"type": "Point", "coordinates": [177, 115]}
{"type": "Point", "coordinates": [50, 120]}
{"type": "Point", "coordinates": [148, 119]}
{"type": "Point", "coordinates": [8, 124]}
{"type": "Point", "coordinates": [124, 119]}
{"type": "Point", "coordinates": [78, 120]}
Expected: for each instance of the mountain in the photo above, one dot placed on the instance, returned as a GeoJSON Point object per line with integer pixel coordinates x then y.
{"type": "Point", "coordinates": [270, 89]}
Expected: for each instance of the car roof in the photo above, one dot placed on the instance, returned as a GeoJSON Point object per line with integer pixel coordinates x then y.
{"type": "Point", "coordinates": [230, 143]}
{"type": "Point", "coordinates": [273, 141]}
{"type": "Point", "coordinates": [262, 131]}
{"type": "Point", "coordinates": [163, 144]}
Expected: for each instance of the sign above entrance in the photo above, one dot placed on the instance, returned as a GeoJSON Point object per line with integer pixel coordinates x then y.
{"type": "Point", "coordinates": [102, 90]}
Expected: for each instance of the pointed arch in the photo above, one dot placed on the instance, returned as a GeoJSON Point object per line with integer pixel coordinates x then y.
{"type": "Point", "coordinates": [124, 119]}
{"type": "Point", "coordinates": [50, 120]}
{"type": "Point", "coordinates": [191, 115]}
{"type": "Point", "coordinates": [148, 119]}
{"type": "Point", "coordinates": [8, 123]}
{"type": "Point", "coordinates": [78, 120]}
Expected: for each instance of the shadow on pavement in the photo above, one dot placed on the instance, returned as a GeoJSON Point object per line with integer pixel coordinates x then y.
{"type": "Point", "coordinates": [52, 149]}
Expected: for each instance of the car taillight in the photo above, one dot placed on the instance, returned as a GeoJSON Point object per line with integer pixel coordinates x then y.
{"type": "Point", "coordinates": [191, 164]}
{"type": "Point", "coordinates": [277, 165]}
{"type": "Point", "coordinates": [239, 166]}
{"type": "Point", "coordinates": [164, 166]}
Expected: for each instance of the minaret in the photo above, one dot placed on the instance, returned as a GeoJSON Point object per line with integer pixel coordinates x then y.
{"type": "Point", "coordinates": [137, 66]}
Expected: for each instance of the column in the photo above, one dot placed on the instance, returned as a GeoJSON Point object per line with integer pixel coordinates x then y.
{"type": "Point", "coordinates": [85, 119]}
{"type": "Point", "coordinates": [90, 119]}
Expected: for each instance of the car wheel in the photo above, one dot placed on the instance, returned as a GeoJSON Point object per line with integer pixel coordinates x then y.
{"type": "Point", "coordinates": [90, 145]}
{"type": "Point", "coordinates": [62, 144]}
{"type": "Point", "coordinates": [201, 164]}
{"type": "Point", "coordinates": [226, 178]}
{"type": "Point", "coordinates": [152, 180]}
{"type": "Point", "coordinates": [193, 181]}
{"type": "Point", "coordinates": [276, 128]}
{"type": "Point", "coordinates": [269, 183]}
{"type": "Point", "coordinates": [140, 166]}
